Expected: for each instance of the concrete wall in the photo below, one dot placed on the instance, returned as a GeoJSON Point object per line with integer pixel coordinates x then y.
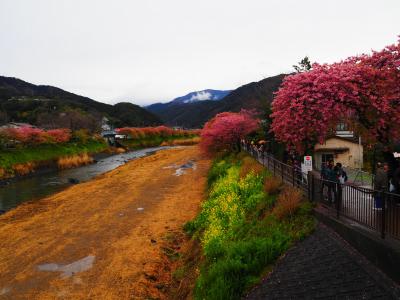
{"type": "Point", "coordinates": [351, 158]}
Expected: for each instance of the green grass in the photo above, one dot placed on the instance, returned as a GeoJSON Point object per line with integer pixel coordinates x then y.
{"type": "Point", "coordinates": [46, 152]}
{"type": "Point", "coordinates": [239, 240]}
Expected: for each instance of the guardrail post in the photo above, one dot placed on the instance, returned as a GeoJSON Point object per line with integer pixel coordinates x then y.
{"type": "Point", "coordinates": [383, 217]}
{"type": "Point", "coordinates": [338, 199]}
{"type": "Point", "coordinates": [293, 179]}
{"type": "Point", "coordinates": [310, 183]}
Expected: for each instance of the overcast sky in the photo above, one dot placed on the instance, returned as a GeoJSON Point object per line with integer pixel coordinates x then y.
{"type": "Point", "coordinates": [155, 50]}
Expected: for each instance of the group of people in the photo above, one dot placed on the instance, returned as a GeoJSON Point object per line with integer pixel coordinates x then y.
{"type": "Point", "coordinates": [387, 179]}
{"type": "Point", "coordinates": [331, 175]}
{"type": "Point", "coordinates": [334, 173]}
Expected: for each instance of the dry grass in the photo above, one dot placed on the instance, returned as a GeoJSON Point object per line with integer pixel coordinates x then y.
{"type": "Point", "coordinates": [182, 142]}
{"type": "Point", "coordinates": [249, 164]}
{"type": "Point", "coordinates": [287, 203]}
{"type": "Point", "coordinates": [272, 185]}
{"type": "Point", "coordinates": [120, 150]}
{"type": "Point", "coordinates": [69, 162]}
{"type": "Point", "coordinates": [2, 173]}
{"type": "Point", "coordinates": [186, 271]}
{"type": "Point", "coordinates": [24, 169]}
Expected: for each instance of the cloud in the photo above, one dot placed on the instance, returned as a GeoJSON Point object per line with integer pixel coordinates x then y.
{"type": "Point", "coordinates": [203, 95]}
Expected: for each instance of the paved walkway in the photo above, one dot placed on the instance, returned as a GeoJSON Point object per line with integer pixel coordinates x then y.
{"type": "Point", "coordinates": [323, 266]}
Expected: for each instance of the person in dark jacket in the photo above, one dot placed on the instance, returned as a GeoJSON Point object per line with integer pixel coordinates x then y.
{"type": "Point", "coordinates": [331, 182]}
{"type": "Point", "coordinates": [391, 161]}
{"type": "Point", "coordinates": [396, 180]}
{"type": "Point", "coordinates": [381, 184]}
{"type": "Point", "coordinates": [340, 173]}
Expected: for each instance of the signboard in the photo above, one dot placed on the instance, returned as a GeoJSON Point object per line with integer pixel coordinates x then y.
{"type": "Point", "coordinates": [308, 163]}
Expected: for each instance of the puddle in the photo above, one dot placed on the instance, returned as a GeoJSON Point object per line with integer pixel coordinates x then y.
{"type": "Point", "coordinates": [5, 290]}
{"type": "Point", "coordinates": [68, 270]}
{"type": "Point", "coordinates": [181, 170]}
{"type": "Point", "coordinates": [174, 166]}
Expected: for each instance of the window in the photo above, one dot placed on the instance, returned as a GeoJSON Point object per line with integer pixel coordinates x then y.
{"type": "Point", "coordinates": [342, 127]}
{"type": "Point", "coordinates": [326, 157]}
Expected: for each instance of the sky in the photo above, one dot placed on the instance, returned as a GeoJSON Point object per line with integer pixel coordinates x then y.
{"type": "Point", "coordinates": [155, 50]}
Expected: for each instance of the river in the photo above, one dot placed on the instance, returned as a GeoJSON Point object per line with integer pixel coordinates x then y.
{"type": "Point", "coordinates": [44, 184]}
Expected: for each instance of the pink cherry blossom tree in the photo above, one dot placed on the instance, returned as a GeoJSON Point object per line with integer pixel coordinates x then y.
{"type": "Point", "coordinates": [225, 130]}
{"type": "Point", "coordinates": [362, 91]}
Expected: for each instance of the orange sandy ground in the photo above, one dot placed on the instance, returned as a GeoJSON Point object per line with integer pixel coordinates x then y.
{"type": "Point", "coordinates": [100, 218]}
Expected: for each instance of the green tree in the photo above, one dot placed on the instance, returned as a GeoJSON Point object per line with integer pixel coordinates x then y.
{"type": "Point", "coordinates": [303, 66]}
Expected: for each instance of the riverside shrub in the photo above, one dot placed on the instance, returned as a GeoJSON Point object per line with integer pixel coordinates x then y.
{"type": "Point", "coordinates": [272, 185]}
{"type": "Point", "coordinates": [224, 132]}
{"type": "Point", "coordinates": [287, 203]}
{"type": "Point", "coordinates": [28, 136]}
{"type": "Point", "coordinates": [238, 239]}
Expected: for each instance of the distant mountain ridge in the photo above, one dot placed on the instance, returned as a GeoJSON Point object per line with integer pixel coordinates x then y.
{"type": "Point", "coordinates": [255, 95]}
{"type": "Point", "coordinates": [49, 106]}
{"type": "Point", "coordinates": [178, 103]}
{"type": "Point", "coordinates": [208, 94]}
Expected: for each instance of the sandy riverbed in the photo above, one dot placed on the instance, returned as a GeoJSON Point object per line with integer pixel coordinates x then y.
{"type": "Point", "coordinates": [103, 239]}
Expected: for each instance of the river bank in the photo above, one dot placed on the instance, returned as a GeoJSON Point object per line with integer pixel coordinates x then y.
{"type": "Point", "coordinates": [108, 238]}
{"type": "Point", "coordinates": [34, 161]}
{"type": "Point", "coordinates": [20, 162]}
{"type": "Point", "coordinates": [44, 183]}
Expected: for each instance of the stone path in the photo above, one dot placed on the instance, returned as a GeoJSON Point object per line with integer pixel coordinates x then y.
{"type": "Point", "coordinates": [323, 266]}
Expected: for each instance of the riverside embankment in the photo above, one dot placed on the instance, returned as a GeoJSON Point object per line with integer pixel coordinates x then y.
{"type": "Point", "coordinates": [51, 180]}
{"type": "Point", "coordinates": [105, 238]}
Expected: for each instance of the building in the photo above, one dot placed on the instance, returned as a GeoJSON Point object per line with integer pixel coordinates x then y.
{"type": "Point", "coordinates": [17, 125]}
{"type": "Point", "coordinates": [344, 147]}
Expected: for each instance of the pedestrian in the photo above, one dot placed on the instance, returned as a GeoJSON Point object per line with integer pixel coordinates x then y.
{"type": "Point", "coordinates": [395, 183]}
{"type": "Point", "coordinates": [391, 161]}
{"type": "Point", "coordinates": [331, 182]}
{"type": "Point", "coordinates": [381, 184]}
{"type": "Point", "coordinates": [340, 173]}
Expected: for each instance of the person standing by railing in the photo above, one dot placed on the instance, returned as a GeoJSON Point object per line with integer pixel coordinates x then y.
{"type": "Point", "coordinates": [331, 182]}
{"type": "Point", "coordinates": [381, 184]}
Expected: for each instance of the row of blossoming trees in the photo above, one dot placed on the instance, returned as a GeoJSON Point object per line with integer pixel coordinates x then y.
{"type": "Point", "coordinates": [137, 133]}
{"type": "Point", "coordinates": [362, 91]}
{"type": "Point", "coordinates": [28, 136]}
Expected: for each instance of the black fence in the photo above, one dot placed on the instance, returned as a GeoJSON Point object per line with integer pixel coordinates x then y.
{"type": "Point", "coordinates": [377, 210]}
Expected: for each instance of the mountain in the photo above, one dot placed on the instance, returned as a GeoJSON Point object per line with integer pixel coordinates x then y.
{"type": "Point", "coordinates": [255, 95]}
{"type": "Point", "coordinates": [200, 96]}
{"type": "Point", "coordinates": [50, 107]}
{"type": "Point", "coordinates": [162, 109]}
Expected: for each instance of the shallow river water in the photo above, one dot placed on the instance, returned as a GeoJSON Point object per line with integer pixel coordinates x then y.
{"type": "Point", "coordinates": [41, 185]}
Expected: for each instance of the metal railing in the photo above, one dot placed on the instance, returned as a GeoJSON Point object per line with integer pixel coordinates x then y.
{"type": "Point", "coordinates": [290, 174]}
{"type": "Point", "coordinates": [377, 210]}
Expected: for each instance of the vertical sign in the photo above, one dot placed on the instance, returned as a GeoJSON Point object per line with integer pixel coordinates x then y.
{"type": "Point", "coordinates": [308, 163]}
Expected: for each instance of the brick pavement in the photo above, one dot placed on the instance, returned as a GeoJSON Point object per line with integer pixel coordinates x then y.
{"type": "Point", "coordinates": [324, 266]}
